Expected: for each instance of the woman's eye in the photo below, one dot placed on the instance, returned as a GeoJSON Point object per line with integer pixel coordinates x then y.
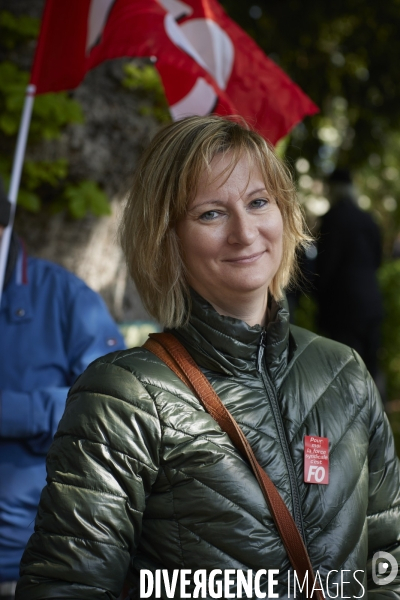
{"type": "Point", "coordinates": [209, 215]}
{"type": "Point", "coordinates": [259, 202]}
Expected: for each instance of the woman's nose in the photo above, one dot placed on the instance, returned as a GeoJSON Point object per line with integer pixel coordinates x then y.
{"type": "Point", "coordinates": [242, 229]}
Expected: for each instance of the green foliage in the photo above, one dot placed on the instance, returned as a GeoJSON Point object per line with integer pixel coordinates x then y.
{"type": "Point", "coordinates": [390, 284]}
{"type": "Point", "coordinates": [379, 183]}
{"type": "Point", "coordinates": [86, 197]}
{"type": "Point", "coordinates": [282, 145]}
{"type": "Point", "coordinates": [40, 176]}
{"type": "Point", "coordinates": [13, 83]}
{"type": "Point", "coordinates": [29, 200]}
{"type": "Point", "coordinates": [51, 113]}
{"type": "Point", "coordinates": [337, 49]}
{"type": "Point", "coordinates": [37, 173]}
{"type": "Point", "coordinates": [15, 30]}
{"type": "Point", "coordinates": [146, 80]}
{"type": "Point", "coordinates": [306, 313]}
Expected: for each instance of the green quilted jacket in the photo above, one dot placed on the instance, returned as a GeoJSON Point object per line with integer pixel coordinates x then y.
{"type": "Point", "coordinates": [141, 477]}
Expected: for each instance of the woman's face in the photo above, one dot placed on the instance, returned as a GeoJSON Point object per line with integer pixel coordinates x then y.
{"type": "Point", "coordinates": [231, 236]}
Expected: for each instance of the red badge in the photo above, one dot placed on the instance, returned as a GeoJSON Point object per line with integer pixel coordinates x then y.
{"type": "Point", "coordinates": [316, 459]}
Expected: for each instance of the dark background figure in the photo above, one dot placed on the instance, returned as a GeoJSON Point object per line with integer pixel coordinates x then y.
{"type": "Point", "coordinates": [347, 289]}
{"type": "Point", "coordinates": [52, 325]}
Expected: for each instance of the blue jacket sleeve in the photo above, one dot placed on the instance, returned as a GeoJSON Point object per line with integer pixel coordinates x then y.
{"type": "Point", "coordinates": [91, 331]}
{"type": "Point", "coordinates": [31, 414]}
{"type": "Point", "coordinates": [88, 332]}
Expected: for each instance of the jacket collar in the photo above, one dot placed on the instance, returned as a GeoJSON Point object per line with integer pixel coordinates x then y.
{"type": "Point", "coordinates": [230, 346]}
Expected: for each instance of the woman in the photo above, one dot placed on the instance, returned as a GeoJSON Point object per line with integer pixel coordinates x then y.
{"type": "Point", "coordinates": [140, 476]}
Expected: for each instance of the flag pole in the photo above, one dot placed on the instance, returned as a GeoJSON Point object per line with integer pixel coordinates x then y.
{"type": "Point", "coordinates": [16, 178]}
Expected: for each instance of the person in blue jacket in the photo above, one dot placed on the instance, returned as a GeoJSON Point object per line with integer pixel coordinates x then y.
{"type": "Point", "coordinates": [52, 325]}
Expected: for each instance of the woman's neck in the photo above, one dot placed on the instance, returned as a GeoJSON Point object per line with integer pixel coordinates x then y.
{"type": "Point", "coordinates": [252, 311]}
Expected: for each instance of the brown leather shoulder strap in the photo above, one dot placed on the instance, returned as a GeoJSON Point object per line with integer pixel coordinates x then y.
{"type": "Point", "coordinates": [177, 358]}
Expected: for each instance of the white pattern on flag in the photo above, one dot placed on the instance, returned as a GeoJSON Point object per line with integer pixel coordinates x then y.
{"type": "Point", "coordinates": [199, 101]}
{"type": "Point", "coordinates": [214, 45]}
{"type": "Point", "coordinates": [176, 35]}
{"type": "Point", "coordinates": [176, 8]}
{"type": "Point", "coordinates": [98, 14]}
{"type": "Point", "coordinates": [211, 47]}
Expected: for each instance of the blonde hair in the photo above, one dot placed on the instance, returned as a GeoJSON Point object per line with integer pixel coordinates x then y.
{"type": "Point", "coordinates": [166, 181]}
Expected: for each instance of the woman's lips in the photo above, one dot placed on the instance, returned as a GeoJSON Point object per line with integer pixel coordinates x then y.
{"type": "Point", "coordinates": [245, 259]}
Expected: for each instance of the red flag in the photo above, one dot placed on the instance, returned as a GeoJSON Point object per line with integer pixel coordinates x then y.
{"type": "Point", "coordinates": [206, 62]}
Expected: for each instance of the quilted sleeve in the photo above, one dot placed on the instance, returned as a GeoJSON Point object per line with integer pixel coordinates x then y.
{"type": "Point", "coordinates": [384, 503]}
{"type": "Point", "coordinates": [101, 466]}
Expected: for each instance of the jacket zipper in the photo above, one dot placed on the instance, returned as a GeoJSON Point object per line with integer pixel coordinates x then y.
{"type": "Point", "coordinates": [273, 400]}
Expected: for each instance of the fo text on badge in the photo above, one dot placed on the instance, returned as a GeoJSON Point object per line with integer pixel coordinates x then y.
{"type": "Point", "coordinates": [316, 459]}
